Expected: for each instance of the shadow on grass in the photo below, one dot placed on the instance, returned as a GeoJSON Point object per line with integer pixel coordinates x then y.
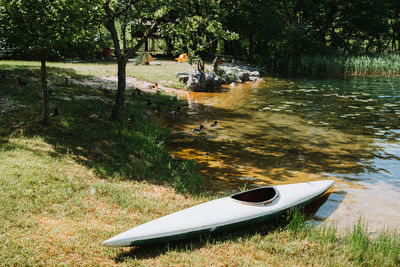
{"type": "Point", "coordinates": [129, 150]}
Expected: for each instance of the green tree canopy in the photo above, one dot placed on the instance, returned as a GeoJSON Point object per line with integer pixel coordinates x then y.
{"type": "Point", "coordinates": [189, 23]}
{"type": "Point", "coordinates": [42, 27]}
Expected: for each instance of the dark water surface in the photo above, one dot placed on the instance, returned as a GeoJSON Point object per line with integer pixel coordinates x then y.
{"type": "Point", "coordinates": [283, 131]}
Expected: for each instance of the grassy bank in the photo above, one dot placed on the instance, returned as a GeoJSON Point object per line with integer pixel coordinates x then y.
{"type": "Point", "coordinates": [162, 72]}
{"type": "Point", "coordinates": [359, 65]}
{"type": "Point", "coordinates": [66, 187]}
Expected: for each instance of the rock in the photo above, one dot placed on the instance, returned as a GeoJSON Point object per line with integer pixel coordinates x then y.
{"type": "Point", "coordinates": [226, 79]}
{"type": "Point", "coordinates": [255, 74]}
{"type": "Point", "coordinates": [210, 84]}
{"type": "Point", "coordinates": [226, 74]}
{"type": "Point", "coordinates": [181, 74]}
{"type": "Point", "coordinates": [244, 76]}
{"type": "Point", "coordinates": [230, 72]}
{"type": "Point", "coordinates": [256, 79]}
{"type": "Point", "coordinates": [209, 76]}
{"type": "Point", "coordinates": [183, 78]}
{"type": "Point", "coordinates": [196, 81]}
{"type": "Point", "coordinates": [217, 81]}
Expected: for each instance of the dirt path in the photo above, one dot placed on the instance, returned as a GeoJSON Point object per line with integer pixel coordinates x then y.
{"type": "Point", "coordinates": [111, 82]}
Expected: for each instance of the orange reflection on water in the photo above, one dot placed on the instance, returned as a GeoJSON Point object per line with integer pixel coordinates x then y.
{"type": "Point", "coordinates": [256, 147]}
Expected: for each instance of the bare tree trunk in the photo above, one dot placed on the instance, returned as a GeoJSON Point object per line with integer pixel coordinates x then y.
{"type": "Point", "coordinates": [118, 108]}
{"type": "Point", "coordinates": [122, 59]}
{"type": "Point", "coordinates": [398, 35]}
{"type": "Point", "coordinates": [170, 47]}
{"type": "Point", "coordinates": [251, 47]}
{"type": "Point", "coordinates": [393, 37]}
{"type": "Point", "coordinates": [45, 95]}
{"type": "Point", "coordinates": [146, 45]}
{"type": "Point", "coordinates": [123, 29]}
{"type": "Point", "coordinates": [215, 66]}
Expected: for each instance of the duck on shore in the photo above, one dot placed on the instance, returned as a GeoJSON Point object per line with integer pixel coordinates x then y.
{"type": "Point", "coordinates": [151, 86]}
{"type": "Point", "coordinates": [148, 102]}
{"type": "Point", "coordinates": [131, 119]}
{"type": "Point", "coordinates": [55, 113]}
{"type": "Point", "coordinates": [214, 124]}
{"type": "Point", "coordinates": [21, 82]}
{"type": "Point", "coordinates": [137, 91]}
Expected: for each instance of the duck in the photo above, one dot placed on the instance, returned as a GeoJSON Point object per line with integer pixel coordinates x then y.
{"type": "Point", "coordinates": [151, 86]}
{"type": "Point", "coordinates": [21, 82]}
{"type": "Point", "coordinates": [148, 102]}
{"type": "Point", "coordinates": [131, 119]}
{"type": "Point", "coordinates": [107, 91]}
{"type": "Point", "coordinates": [137, 91]}
{"type": "Point", "coordinates": [55, 112]}
{"type": "Point", "coordinates": [214, 124]}
{"type": "Point", "coordinates": [199, 130]}
{"type": "Point", "coordinates": [150, 113]}
{"type": "Point", "coordinates": [176, 112]}
{"type": "Point", "coordinates": [94, 116]}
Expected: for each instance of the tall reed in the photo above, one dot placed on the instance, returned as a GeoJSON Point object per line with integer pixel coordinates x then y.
{"type": "Point", "coordinates": [359, 65]}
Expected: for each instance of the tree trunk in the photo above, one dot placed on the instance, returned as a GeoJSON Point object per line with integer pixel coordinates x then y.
{"type": "Point", "coordinates": [146, 45]}
{"type": "Point", "coordinates": [123, 38]}
{"type": "Point", "coordinates": [45, 95]}
{"type": "Point", "coordinates": [213, 48]}
{"type": "Point", "coordinates": [122, 59]}
{"type": "Point", "coordinates": [118, 108]}
{"type": "Point", "coordinates": [398, 35]}
{"type": "Point", "coordinates": [251, 47]}
{"type": "Point", "coordinates": [170, 47]}
{"type": "Point", "coordinates": [123, 29]}
{"type": "Point", "coordinates": [393, 38]}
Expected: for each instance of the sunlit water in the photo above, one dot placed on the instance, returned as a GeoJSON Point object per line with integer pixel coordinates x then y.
{"type": "Point", "coordinates": [294, 130]}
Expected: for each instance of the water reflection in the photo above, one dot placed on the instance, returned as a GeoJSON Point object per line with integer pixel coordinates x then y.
{"type": "Point", "coordinates": [284, 131]}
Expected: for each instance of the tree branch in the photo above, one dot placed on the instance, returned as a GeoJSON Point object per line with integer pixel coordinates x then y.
{"type": "Point", "coordinates": [110, 25]}
{"type": "Point", "coordinates": [119, 13]}
{"type": "Point", "coordinates": [134, 49]}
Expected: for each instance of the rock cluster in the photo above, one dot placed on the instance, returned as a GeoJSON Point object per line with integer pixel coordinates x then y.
{"type": "Point", "coordinates": [226, 74]}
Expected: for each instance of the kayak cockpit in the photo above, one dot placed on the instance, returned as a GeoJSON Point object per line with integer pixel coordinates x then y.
{"type": "Point", "coordinates": [258, 196]}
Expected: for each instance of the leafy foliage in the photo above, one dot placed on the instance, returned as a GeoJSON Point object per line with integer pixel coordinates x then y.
{"type": "Point", "coordinates": [39, 26]}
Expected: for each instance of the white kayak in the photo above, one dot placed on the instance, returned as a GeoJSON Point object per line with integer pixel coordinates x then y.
{"type": "Point", "coordinates": [252, 206]}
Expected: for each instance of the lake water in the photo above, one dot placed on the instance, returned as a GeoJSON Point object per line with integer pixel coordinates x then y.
{"type": "Point", "coordinates": [283, 131]}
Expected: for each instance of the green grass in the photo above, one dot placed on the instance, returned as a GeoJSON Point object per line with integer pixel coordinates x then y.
{"type": "Point", "coordinates": [362, 65]}
{"type": "Point", "coordinates": [66, 187]}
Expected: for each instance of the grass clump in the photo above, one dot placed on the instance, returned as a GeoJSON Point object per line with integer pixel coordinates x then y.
{"type": "Point", "coordinates": [383, 250]}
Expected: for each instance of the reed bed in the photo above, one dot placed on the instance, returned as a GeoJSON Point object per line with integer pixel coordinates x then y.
{"type": "Point", "coordinates": [357, 65]}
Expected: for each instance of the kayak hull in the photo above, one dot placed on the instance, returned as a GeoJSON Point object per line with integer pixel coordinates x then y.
{"type": "Point", "coordinates": [220, 215]}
